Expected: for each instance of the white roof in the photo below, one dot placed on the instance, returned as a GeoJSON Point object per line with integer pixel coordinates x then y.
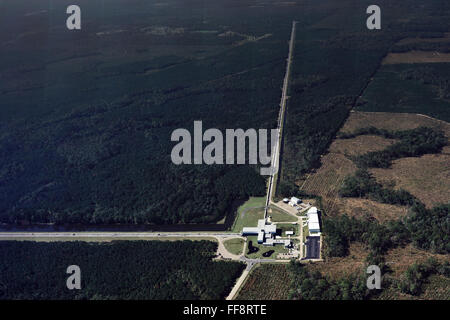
{"type": "Point", "coordinates": [294, 199]}
{"type": "Point", "coordinates": [312, 210]}
{"type": "Point", "coordinates": [312, 226]}
{"type": "Point", "coordinates": [289, 232]}
{"type": "Point", "coordinates": [250, 230]}
{"type": "Point", "coordinates": [270, 228]}
{"type": "Point", "coordinates": [313, 217]}
{"type": "Point", "coordinates": [261, 236]}
{"type": "Point", "coordinates": [261, 223]}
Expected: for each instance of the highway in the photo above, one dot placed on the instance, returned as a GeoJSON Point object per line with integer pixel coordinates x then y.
{"type": "Point", "coordinates": [281, 116]}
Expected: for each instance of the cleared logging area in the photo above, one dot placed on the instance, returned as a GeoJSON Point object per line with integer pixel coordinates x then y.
{"type": "Point", "coordinates": [417, 57]}
{"type": "Point", "coordinates": [425, 177]}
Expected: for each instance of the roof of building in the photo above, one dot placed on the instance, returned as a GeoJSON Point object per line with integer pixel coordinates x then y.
{"type": "Point", "coordinates": [260, 236]}
{"type": "Point", "coordinates": [312, 210]}
{"type": "Point", "coordinates": [313, 226]}
{"type": "Point", "coordinates": [261, 223]}
{"type": "Point", "coordinates": [250, 230]}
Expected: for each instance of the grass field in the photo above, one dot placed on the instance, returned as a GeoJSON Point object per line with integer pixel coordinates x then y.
{"type": "Point", "coordinates": [249, 213]}
{"type": "Point", "coordinates": [305, 232]}
{"type": "Point", "coordinates": [279, 215]}
{"type": "Point", "coordinates": [234, 246]}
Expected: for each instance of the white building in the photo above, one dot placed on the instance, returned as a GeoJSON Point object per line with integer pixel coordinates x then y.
{"type": "Point", "coordinates": [266, 233]}
{"type": "Point", "coordinates": [263, 230]}
{"type": "Point", "coordinates": [313, 220]}
{"type": "Point", "coordinates": [294, 201]}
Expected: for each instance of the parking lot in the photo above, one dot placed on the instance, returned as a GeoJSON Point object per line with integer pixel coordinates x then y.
{"type": "Point", "coordinates": [312, 248]}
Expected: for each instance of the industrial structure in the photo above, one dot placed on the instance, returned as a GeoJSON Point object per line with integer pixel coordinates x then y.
{"type": "Point", "coordinates": [266, 233]}
{"type": "Point", "coordinates": [313, 221]}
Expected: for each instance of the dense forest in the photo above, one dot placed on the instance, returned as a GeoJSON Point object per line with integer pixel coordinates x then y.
{"type": "Point", "coordinates": [409, 88]}
{"type": "Point", "coordinates": [86, 119]}
{"type": "Point", "coordinates": [117, 270]}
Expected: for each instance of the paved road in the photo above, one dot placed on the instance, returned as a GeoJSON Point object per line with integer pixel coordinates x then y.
{"type": "Point", "coordinates": [281, 116]}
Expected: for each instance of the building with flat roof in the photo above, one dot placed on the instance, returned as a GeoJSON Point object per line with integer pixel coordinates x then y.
{"type": "Point", "coordinates": [313, 220]}
{"type": "Point", "coordinates": [266, 233]}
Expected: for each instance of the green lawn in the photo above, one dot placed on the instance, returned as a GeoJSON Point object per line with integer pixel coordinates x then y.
{"type": "Point", "coordinates": [279, 215]}
{"type": "Point", "coordinates": [234, 246]}
{"type": "Point", "coordinates": [249, 213]}
{"type": "Point", "coordinates": [305, 232]}
{"type": "Point", "coordinates": [262, 249]}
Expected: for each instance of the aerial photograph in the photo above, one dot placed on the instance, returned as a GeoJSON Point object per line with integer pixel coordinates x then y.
{"type": "Point", "coordinates": [224, 155]}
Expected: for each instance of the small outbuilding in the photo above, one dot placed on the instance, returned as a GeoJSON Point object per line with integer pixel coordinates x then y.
{"type": "Point", "coordinates": [295, 201]}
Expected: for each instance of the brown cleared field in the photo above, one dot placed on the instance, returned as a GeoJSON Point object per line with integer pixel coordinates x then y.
{"type": "Point", "coordinates": [364, 208]}
{"type": "Point", "coordinates": [267, 282]}
{"type": "Point", "coordinates": [336, 165]}
{"type": "Point", "coordinates": [360, 145]}
{"type": "Point", "coordinates": [427, 177]}
{"type": "Point", "coordinates": [416, 57]}
{"type": "Point", "coordinates": [327, 180]}
{"type": "Point", "coordinates": [340, 267]}
{"type": "Point", "coordinates": [399, 259]}
{"type": "Point", "coordinates": [421, 40]}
